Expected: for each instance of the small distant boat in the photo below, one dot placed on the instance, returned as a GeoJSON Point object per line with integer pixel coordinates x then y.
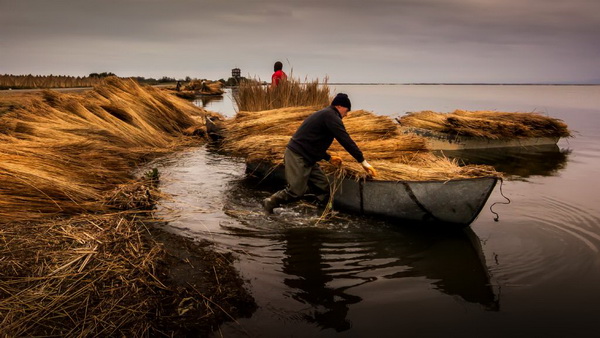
{"type": "Point", "coordinates": [451, 203]}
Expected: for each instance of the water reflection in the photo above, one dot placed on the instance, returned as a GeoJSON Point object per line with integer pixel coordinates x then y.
{"type": "Point", "coordinates": [456, 264]}
{"type": "Point", "coordinates": [306, 273]}
{"type": "Point", "coordinates": [332, 267]}
{"type": "Point", "coordinates": [518, 162]}
{"type": "Point", "coordinates": [206, 100]}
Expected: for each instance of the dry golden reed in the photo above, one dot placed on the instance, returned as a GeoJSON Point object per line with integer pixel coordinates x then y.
{"type": "Point", "coordinates": [487, 124]}
{"type": "Point", "coordinates": [205, 87]}
{"type": "Point", "coordinates": [89, 276]}
{"type": "Point", "coordinates": [254, 96]}
{"type": "Point", "coordinates": [94, 271]}
{"type": "Point", "coordinates": [262, 136]}
{"type": "Point", "coordinates": [59, 154]}
{"type": "Point", "coordinates": [50, 81]}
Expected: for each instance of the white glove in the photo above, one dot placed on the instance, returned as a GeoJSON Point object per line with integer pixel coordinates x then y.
{"type": "Point", "coordinates": [369, 168]}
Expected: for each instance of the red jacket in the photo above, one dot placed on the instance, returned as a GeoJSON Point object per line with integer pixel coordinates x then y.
{"type": "Point", "coordinates": [277, 77]}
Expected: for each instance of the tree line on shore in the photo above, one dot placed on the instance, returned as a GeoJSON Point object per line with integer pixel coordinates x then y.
{"type": "Point", "coordinates": [9, 81]}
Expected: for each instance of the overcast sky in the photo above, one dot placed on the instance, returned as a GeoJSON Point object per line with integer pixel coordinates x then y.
{"type": "Point", "coordinates": [389, 41]}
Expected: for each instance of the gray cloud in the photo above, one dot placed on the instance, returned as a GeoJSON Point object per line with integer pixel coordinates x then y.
{"type": "Point", "coordinates": [356, 41]}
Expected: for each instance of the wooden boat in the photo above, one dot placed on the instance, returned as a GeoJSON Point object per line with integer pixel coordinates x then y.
{"type": "Point", "coordinates": [443, 141]}
{"type": "Point", "coordinates": [454, 203]}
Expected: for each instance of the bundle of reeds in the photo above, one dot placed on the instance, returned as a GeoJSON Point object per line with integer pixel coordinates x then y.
{"type": "Point", "coordinates": [254, 96]}
{"type": "Point", "coordinates": [205, 87]}
{"type": "Point", "coordinates": [487, 124]}
{"type": "Point", "coordinates": [60, 153]}
{"type": "Point", "coordinates": [262, 137]}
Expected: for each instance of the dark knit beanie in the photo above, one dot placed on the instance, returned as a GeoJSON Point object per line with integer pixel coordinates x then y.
{"type": "Point", "coordinates": [341, 99]}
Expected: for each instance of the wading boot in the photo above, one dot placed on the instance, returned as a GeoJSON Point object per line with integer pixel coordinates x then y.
{"type": "Point", "coordinates": [269, 204]}
{"type": "Point", "coordinates": [274, 201]}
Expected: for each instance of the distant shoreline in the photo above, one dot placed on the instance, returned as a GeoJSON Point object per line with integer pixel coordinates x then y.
{"type": "Point", "coordinates": [463, 84]}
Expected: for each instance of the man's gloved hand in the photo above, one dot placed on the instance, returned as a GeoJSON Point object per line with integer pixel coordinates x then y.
{"type": "Point", "coordinates": [335, 160]}
{"type": "Point", "coordinates": [369, 168]}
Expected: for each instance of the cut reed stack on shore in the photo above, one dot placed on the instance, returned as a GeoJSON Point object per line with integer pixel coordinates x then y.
{"type": "Point", "coordinates": [72, 264]}
{"type": "Point", "coordinates": [487, 124]}
{"type": "Point", "coordinates": [254, 96]}
{"type": "Point", "coordinates": [263, 135]}
{"type": "Point", "coordinates": [61, 154]}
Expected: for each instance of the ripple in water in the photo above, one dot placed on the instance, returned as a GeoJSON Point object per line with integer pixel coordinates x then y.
{"type": "Point", "coordinates": [552, 240]}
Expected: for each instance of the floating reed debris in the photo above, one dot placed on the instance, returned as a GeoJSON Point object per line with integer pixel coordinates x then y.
{"type": "Point", "coordinates": [255, 96]}
{"type": "Point", "coordinates": [487, 124]}
{"type": "Point", "coordinates": [263, 135]}
{"type": "Point", "coordinates": [59, 153]}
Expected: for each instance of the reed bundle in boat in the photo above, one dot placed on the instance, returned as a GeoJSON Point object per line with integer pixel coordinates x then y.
{"type": "Point", "coordinates": [205, 87]}
{"type": "Point", "coordinates": [487, 124]}
{"type": "Point", "coordinates": [262, 137]}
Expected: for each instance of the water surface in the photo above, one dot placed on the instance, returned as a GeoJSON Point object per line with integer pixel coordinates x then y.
{"type": "Point", "coordinates": [534, 272]}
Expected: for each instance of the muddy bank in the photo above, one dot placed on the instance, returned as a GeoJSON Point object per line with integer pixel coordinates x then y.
{"type": "Point", "coordinates": [205, 288]}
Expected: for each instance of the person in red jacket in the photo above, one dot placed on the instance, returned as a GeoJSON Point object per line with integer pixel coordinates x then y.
{"type": "Point", "coordinates": [278, 74]}
{"type": "Point", "coordinates": [308, 146]}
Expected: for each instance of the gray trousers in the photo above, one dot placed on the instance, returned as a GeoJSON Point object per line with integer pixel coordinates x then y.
{"type": "Point", "coordinates": [301, 177]}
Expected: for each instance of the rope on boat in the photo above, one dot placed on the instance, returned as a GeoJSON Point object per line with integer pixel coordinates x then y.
{"type": "Point", "coordinates": [502, 194]}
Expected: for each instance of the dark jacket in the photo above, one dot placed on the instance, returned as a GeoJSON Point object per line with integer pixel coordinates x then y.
{"type": "Point", "coordinates": [316, 133]}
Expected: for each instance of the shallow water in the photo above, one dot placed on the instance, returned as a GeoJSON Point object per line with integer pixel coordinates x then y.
{"type": "Point", "coordinates": [535, 271]}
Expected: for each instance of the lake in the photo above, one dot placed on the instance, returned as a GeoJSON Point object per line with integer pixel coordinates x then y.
{"type": "Point", "coordinates": [533, 272]}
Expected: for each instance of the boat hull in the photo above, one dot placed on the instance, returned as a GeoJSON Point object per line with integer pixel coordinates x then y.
{"type": "Point", "coordinates": [443, 141]}
{"type": "Point", "coordinates": [452, 202]}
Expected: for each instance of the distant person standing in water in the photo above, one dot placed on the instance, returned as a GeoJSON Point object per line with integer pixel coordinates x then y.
{"type": "Point", "coordinates": [278, 74]}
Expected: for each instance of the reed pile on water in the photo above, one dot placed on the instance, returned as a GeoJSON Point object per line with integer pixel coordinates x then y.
{"type": "Point", "coordinates": [262, 137]}
{"type": "Point", "coordinates": [254, 96]}
{"type": "Point", "coordinates": [61, 153]}
{"type": "Point", "coordinates": [487, 124]}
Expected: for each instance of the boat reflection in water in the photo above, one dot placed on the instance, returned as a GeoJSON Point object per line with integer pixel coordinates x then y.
{"type": "Point", "coordinates": [328, 270]}
{"type": "Point", "coordinates": [516, 162]}
{"type": "Point", "coordinates": [205, 100]}
{"type": "Point", "coordinates": [324, 271]}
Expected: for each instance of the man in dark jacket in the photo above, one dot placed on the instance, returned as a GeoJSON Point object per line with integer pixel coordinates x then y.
{"type": "Point", "coordinates": [309, 145]}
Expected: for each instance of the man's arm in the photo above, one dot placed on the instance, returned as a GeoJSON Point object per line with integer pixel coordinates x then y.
{"type": "Point", "coordinates": [339, 132]}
